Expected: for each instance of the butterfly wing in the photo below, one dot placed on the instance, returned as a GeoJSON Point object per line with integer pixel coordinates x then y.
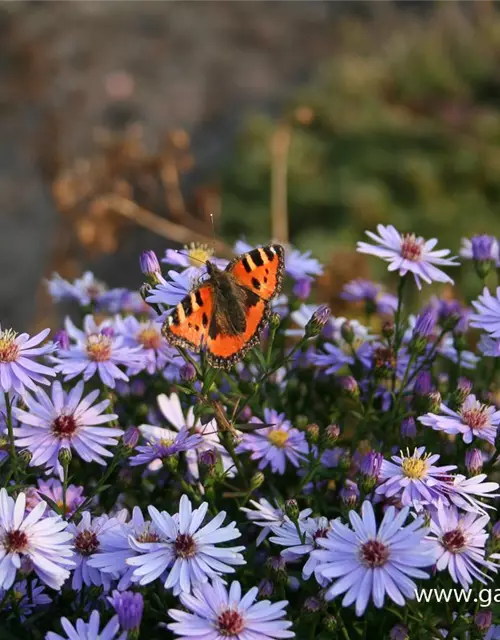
{"type": "Point", "coordinates": [260, 270]}
{"type": "Point", "coordinates": [187, 326]}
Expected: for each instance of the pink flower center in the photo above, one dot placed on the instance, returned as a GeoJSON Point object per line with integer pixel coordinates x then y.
{"type": "Point", "coordinates": [374, 554]}
{"type": "Point", "coordinates": [150, 338]}
{"type": "Point", "coordinates": [230, 623]}
{"type": "Point", "coordinates": [185, 546]}
{"type": "Point", "coordinates": [454, 541]}
{"type": "Point", "coordinates": [99, 347]}
{"type": "Point", "coordinates": [64, 427]}
{"type": "Point", "coordinates": [9, 350]}
{"type": "Point", "coordinates": [16, 541]}
{"type": "Point", "coordinates": [86, 542]}
{"type": "Point", "coordinates": [475, 418]}
{"type": "Point", "coordinates": [411, 247]}
{"type": "Point", "coordinates": [320, 533]}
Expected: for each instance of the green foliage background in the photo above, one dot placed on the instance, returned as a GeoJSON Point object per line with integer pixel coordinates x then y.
{"type": "Point", "coordinates": [405, 130]}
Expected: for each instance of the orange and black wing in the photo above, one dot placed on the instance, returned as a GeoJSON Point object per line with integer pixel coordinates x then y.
{"type": "Point", "coordinates": [260, 270]}
{"type": "Point", "coordinates": [187, 326]}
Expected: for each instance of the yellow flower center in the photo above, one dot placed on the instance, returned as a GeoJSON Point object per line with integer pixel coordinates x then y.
{"type": "Point", "coordinates": [150, 338]}
{"type": "Point", "coordinates": [199, 253]}
{"type": "Point", "coordinates": [414, 467]}
{"type": "Point", "coordinates": [166, 442]}
{"type": "Point", "coordinates": [278, 437]}
{"type": "Point", "coordinates": [9, 350]}
{"type": "Point", "coordinates": [99, 347]}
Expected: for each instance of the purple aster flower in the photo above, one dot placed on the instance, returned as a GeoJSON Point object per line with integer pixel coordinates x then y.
{"type": "Point", "coordinates": [489, 346]}
{"type": "Point", "coordinates": [423, 383]}
{"type": "Point", "coordinates": [302, 288]}
{"type": "Point", "coordinates": [88, 630]}
{"type": "Point", "coordinates": [331, 359]}
{"type": "Point", "coordinates": [190, 554]}
{"type": "Point", "coordinates": [484, 246]}
{"type": "Point", "coordinates": [26, 599]}
{"type": "Point", "coordinates": [276, 444]}
{"type": "Point", "coordinates": [414, 479]}
{"type": "Point", "coordinates": [472, 419]}
{"type": "Point", "coordinates": [311, 530]}
{"type": "Point", "coordinates": [408, 253]}
{"type": "Point", "coordinates": [65, 421]}
{"type": "Point", "coordinates": [163, 443]}
{"type": "Point", "coordinates": [87, 541]}
{"type": "Point", "coordinates": [370, 294]}
{"type": "Point", "coordinates": [424, 324]}
{"type": "Point", "coordinates": [129, 607]}
{"type": "Point", "coordinates": [213, 612]}
{"type": "Point", "coordinates": [53, 489]}
{"type": "Point", "coordinates": [268, 517]}
{"type": "Point", "coordinates": [157, 352]}
{"type": "Point", "coordinates": [45, 542]}
{"type": "Point", "coordinates": [84, 290]}
{"type": "Point", "coordinates": [349, 494]}
{"type": "Point", "coordinates": [371, 464]}
{"type": "Point", "coordinates": [115, 548]}
{"type": "Point", "coordinates": [170, 292]}
{"type": "Point", "coordinates": [148, 262]}
{"type": "Point", "coordinates": [367, 562]}
{"type": "Point", "coordinates": [487, 316]}
{"type": "Point", "coordinates": [408, 428]}
{"type": "Point", "coordinates": [97, 349]}
{"type": "Point", "coordinates": [462, 492]}
{"type": "Point", "coordinates": [458, 544]}
{"type": "Point", "coordinates": [19, 368]}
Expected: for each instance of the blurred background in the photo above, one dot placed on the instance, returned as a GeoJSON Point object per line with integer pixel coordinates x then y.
{"type": "Point", "coordinates": [126, 125]}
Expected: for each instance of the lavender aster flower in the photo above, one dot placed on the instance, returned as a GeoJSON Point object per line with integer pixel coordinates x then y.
{"type": "Point", "coordinates": [88, 630]}
{"type": "Point", "coordinates": [268, 517]}
{"type": "Point", "coordinates": [88, 535]}
{"type": "Point", "coordinates": [163, 443]}
{"type": "Point", "coordinates": [129, 607]}
{"type": "Point", "coordinates": [188, 552]}
{"type": "Point", "coordinates": [27, 600]}
{"type": "Point", "coordinates": [424, 324]}
{"type": "Point", "coordinates": [487, 316]}
{"type": "Point", "coordinates": [370, 293]}
{"type": "Point", "coordinates": [170, 292]}
{"type": "Point", "coordinates": [97, 350]}
{"type": "Point", "coordinates": [65, 421]}
{"type": "Point", "coordinates": [18, 367]}
{"type": "Point", "coordinates": [414, 479]}
{"type": "Point", "coordinates": [148, 262]}
{"type": "Point", "coordinates": [408, 253]}
{"type": "Point", "coordinates": [43, 541]}
{"type": "Point", "coordinates": [461, 492]}
{"type": "Point", "coordinates": [458, 544]}
{"type": "Point", "coordinates": [484, 246]}
{"type": "Point", "coordinates": [213, 612]}
{"type": "Point", "coordinates": [276, 444]}
{"type": "Point", "coordinates": [53, 489]}
{"type": "Point", "coordinates": [84, 290]}
{"type": "Point", "coordinates": [472, 419]}
{"type": "Point", "coordinates": [489, 347]}
{"type": "Point", "coordinates": [367, 562]}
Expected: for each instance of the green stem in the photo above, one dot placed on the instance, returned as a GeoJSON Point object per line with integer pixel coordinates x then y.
{"type": "Point", "coordinates": [10, 431]}
{"type": "Point", "coordinates": [64, 487]}
{"type": "Point", "coordinates": [397, 328]}
{"type": "Point", "coordinates": [102, 480]}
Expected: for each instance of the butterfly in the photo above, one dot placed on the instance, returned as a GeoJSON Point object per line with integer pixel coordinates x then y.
{"type": "Point", "coordinates": [226, 313]}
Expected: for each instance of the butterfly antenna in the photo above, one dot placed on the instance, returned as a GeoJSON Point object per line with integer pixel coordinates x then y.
{"type": "Point", "coordinates": [213, 230]}
{"type": "Point", "coordinates": [185, 253]}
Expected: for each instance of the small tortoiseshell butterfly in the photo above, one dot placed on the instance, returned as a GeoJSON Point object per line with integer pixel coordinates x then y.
{"type": "Point", "coordinates": [226, 313]}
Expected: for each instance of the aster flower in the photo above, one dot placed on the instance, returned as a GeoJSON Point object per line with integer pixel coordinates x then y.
{"type": "Point", "coordinates": [188, 553]}
{"type": "Point", "coordinates": [87, 541]}
{"type": "Point", "coordinates": [268, 517]}
{"type": "Point", "coordinates": [371, 294]}
{"type": "Point", "coordinates": [367, 561]}
{"type": "Point", "coordinates": [19, 368]}
{"type": "Point", "coordinates": [408, 253]}
{"type": "Point", "coordinates": [414, 479]}
{"type": "Point", "coordinates": [84, 290]}
{"type": "Point", "coordinates": [115, 549]}
{"type": "Point", "coordinates": [489, 347]}
{"type": "Point", "coordinates": [129, 607]}
{"type": "Point", "coordinates": [311, 529]}
{"type": "Point", "coordinates": [276, 444]}
{"type": "Point", "coordinates": [45, 542]}
{"type": "Point", "coordinates": [487, 316]}
{"type": "Point", "coordinates": [65, 421]}
{"type": "Point", "coordinates": [97, 350]}
{"type": "Point", "coordinates": [163, 443]}
{"type": "Point", "coordinates": [88, 630]}
{"type": "Point", "coordinates": [27, 599]}
{"type": "Point", "coordinates": [472, 419]}
{"type": "Point", "coordinates": [53, 489]}
{"type": "Point", "coordinates": [213, 612]}
{"type": "Point", "coordinates": [458, 545]}
{"type": "Point", "coordinates": [331, 358]}
{"type": "Point", "coordinates": [461, 492]}
{"type": "Point", "coordinates": [480, 248]}
{"type": "Point", "coordinates": [171, 291]}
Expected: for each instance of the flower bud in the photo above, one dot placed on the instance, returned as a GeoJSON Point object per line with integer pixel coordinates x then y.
{"type": "Point", "coordinates": [399, 632]}
{"type": "Point", "coordinates": [317, 321]}
{"type": "Point", "coordinates": [387, 329]}
{"type": "Point", "coordinates": [171, 463]}
{"type": "Point", "coordinates": [301, 422]}
{"type": "Point", "coordinates": [347, 332]}
{"type": "Point", "coordinates": [423, 383]}
{"type": "Point", "coordinates": [371, 464]}
{"type": "Point", "coordinates": [330, 623]}
{"type": "Point", "coordinates": [292, 509]}
{"type": "Point", "coordinates": [129, 606]}
{"type": "Point", "coordinates": [482, 254]}
{"type": "Point", "coordinates": [331, 435]}
{"type": "Point", "coordinates": [474, 461]}
{"type": "Point", "coordinates": [384, 362]}
{"type": "Point", "coordinates": [274, 321]}
{"type": "Point", "coordinates": [256, 480]}
{"type": "Point", "coordinates": [424, 326]}
{"type": "Point", "coordinates": [188, 372]}
{"type": "Point", "coordinates": [277, 569]}
{"type": "Point", "coordinates": [463, 390]}
{"type": "Point", "coordinates": [434, 401]}
{"type": "Point", "coordinates": [312, 433]}
{"type": "Point", "coordinates": [61, 338]}
{"type": "Point", "coordinates": [483, 619]}
{"type": "Point", "coordinates": [131, 437]}
{"type": "Point", "coordinates": [150, 266]}
{"type": "Point", "coordinates": [311, 605]}
{"type": "Point", "coordinates": [349, 494]}
{"type": "Point", "coordinates": [345, 462]}
{"type": "Point", "coordinates": [409, 428]}
{"type": "Point", "coordinates": [302, 288]}
{"type": "Point", "coordinates": [208, 459]}
{"type": "Point", "coordinates": [25, 456]}
{"type": "Point", "coordinates": [64, 456]}
{"type": "Point", "coordinates": [495, 532]}
{"type": "Point", "coordinates": [266, 588]}
{"type": "Point", "coordinates": [350, 387]}
{"type": "Point", "coordinates": [245, 413]}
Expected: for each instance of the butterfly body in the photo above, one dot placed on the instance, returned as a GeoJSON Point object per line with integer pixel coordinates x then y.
{"type": "Point", "coordinates": [226, 313]}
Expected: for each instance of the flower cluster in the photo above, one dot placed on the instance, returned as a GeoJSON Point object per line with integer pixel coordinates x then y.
{"type": "Point", "coordinates": [312, 490]}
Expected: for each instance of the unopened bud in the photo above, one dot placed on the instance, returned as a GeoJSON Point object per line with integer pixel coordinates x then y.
{"type": "Point", "coordinates": [330, 623]}
{"type": "Point", "coordinates": [25, 456]}
{"type": "Point", "coordinates": [292, 509]}
{"type": "Point", "coordinates": [409, 428]}
{"type": "Point", "coordinates": [317, 322]}
{"type": "Point", "coordinates": [482, 254]}
{"type": "Point", "coordinates": [483, 619]}
{"type": "Point", "coordinates": [301, 422]}
{"type": "Point", "coordinates": [347, 332]}
{"type": "Point", "coordinates": [65, 456]}
{"type": "Point", "coordinates": [277, 569]}
{"type": "Point", "coordinates": [370, 470]}
{"type": "Point", "coordinates": [208, 459]}
{"type": "Point", "coordinates": [399, 632]}
{"type": "Point", "coordinates": [474, 461]}
{"type": "Point", "coordinates": [312, 605]}
{"type": "Point", "coordinates": [345, 462]}
{"type": "Point", "coordinates": [463, 390]}
{"type": "Point", "coordinates": [434, 401]}
{"type": "Point", "coordinates": [423, 383]}
{"type": "Point", "coordinates": [312, 433]}
{"type": "Point", "coordinates": [387, 329]}
{"type": "Point", "coordinates": [349, 494]}
{"type": "Point", "coordinates": [150, 267]}
{"type": "Point", "coordinates": [188, 372]}
{"type": "Point", "coordinates": [331, 435]}
{"type": "Point", "coordinates": [266, 588]}
{"type": "Point", "coordinates": [274, 321]}
{"type": "Point", "coordinates": [384, 362]}
{"type": "Point", "coordinates": [61, 338]}
{"type": "Point", "coordinates": [256, 480]}
{"type": "Point", "coordinates": [171, 463]}
{"type": "Point", "coordinates": [350, 387]}
{"type": "Point", "coordinates": [131, 437]}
